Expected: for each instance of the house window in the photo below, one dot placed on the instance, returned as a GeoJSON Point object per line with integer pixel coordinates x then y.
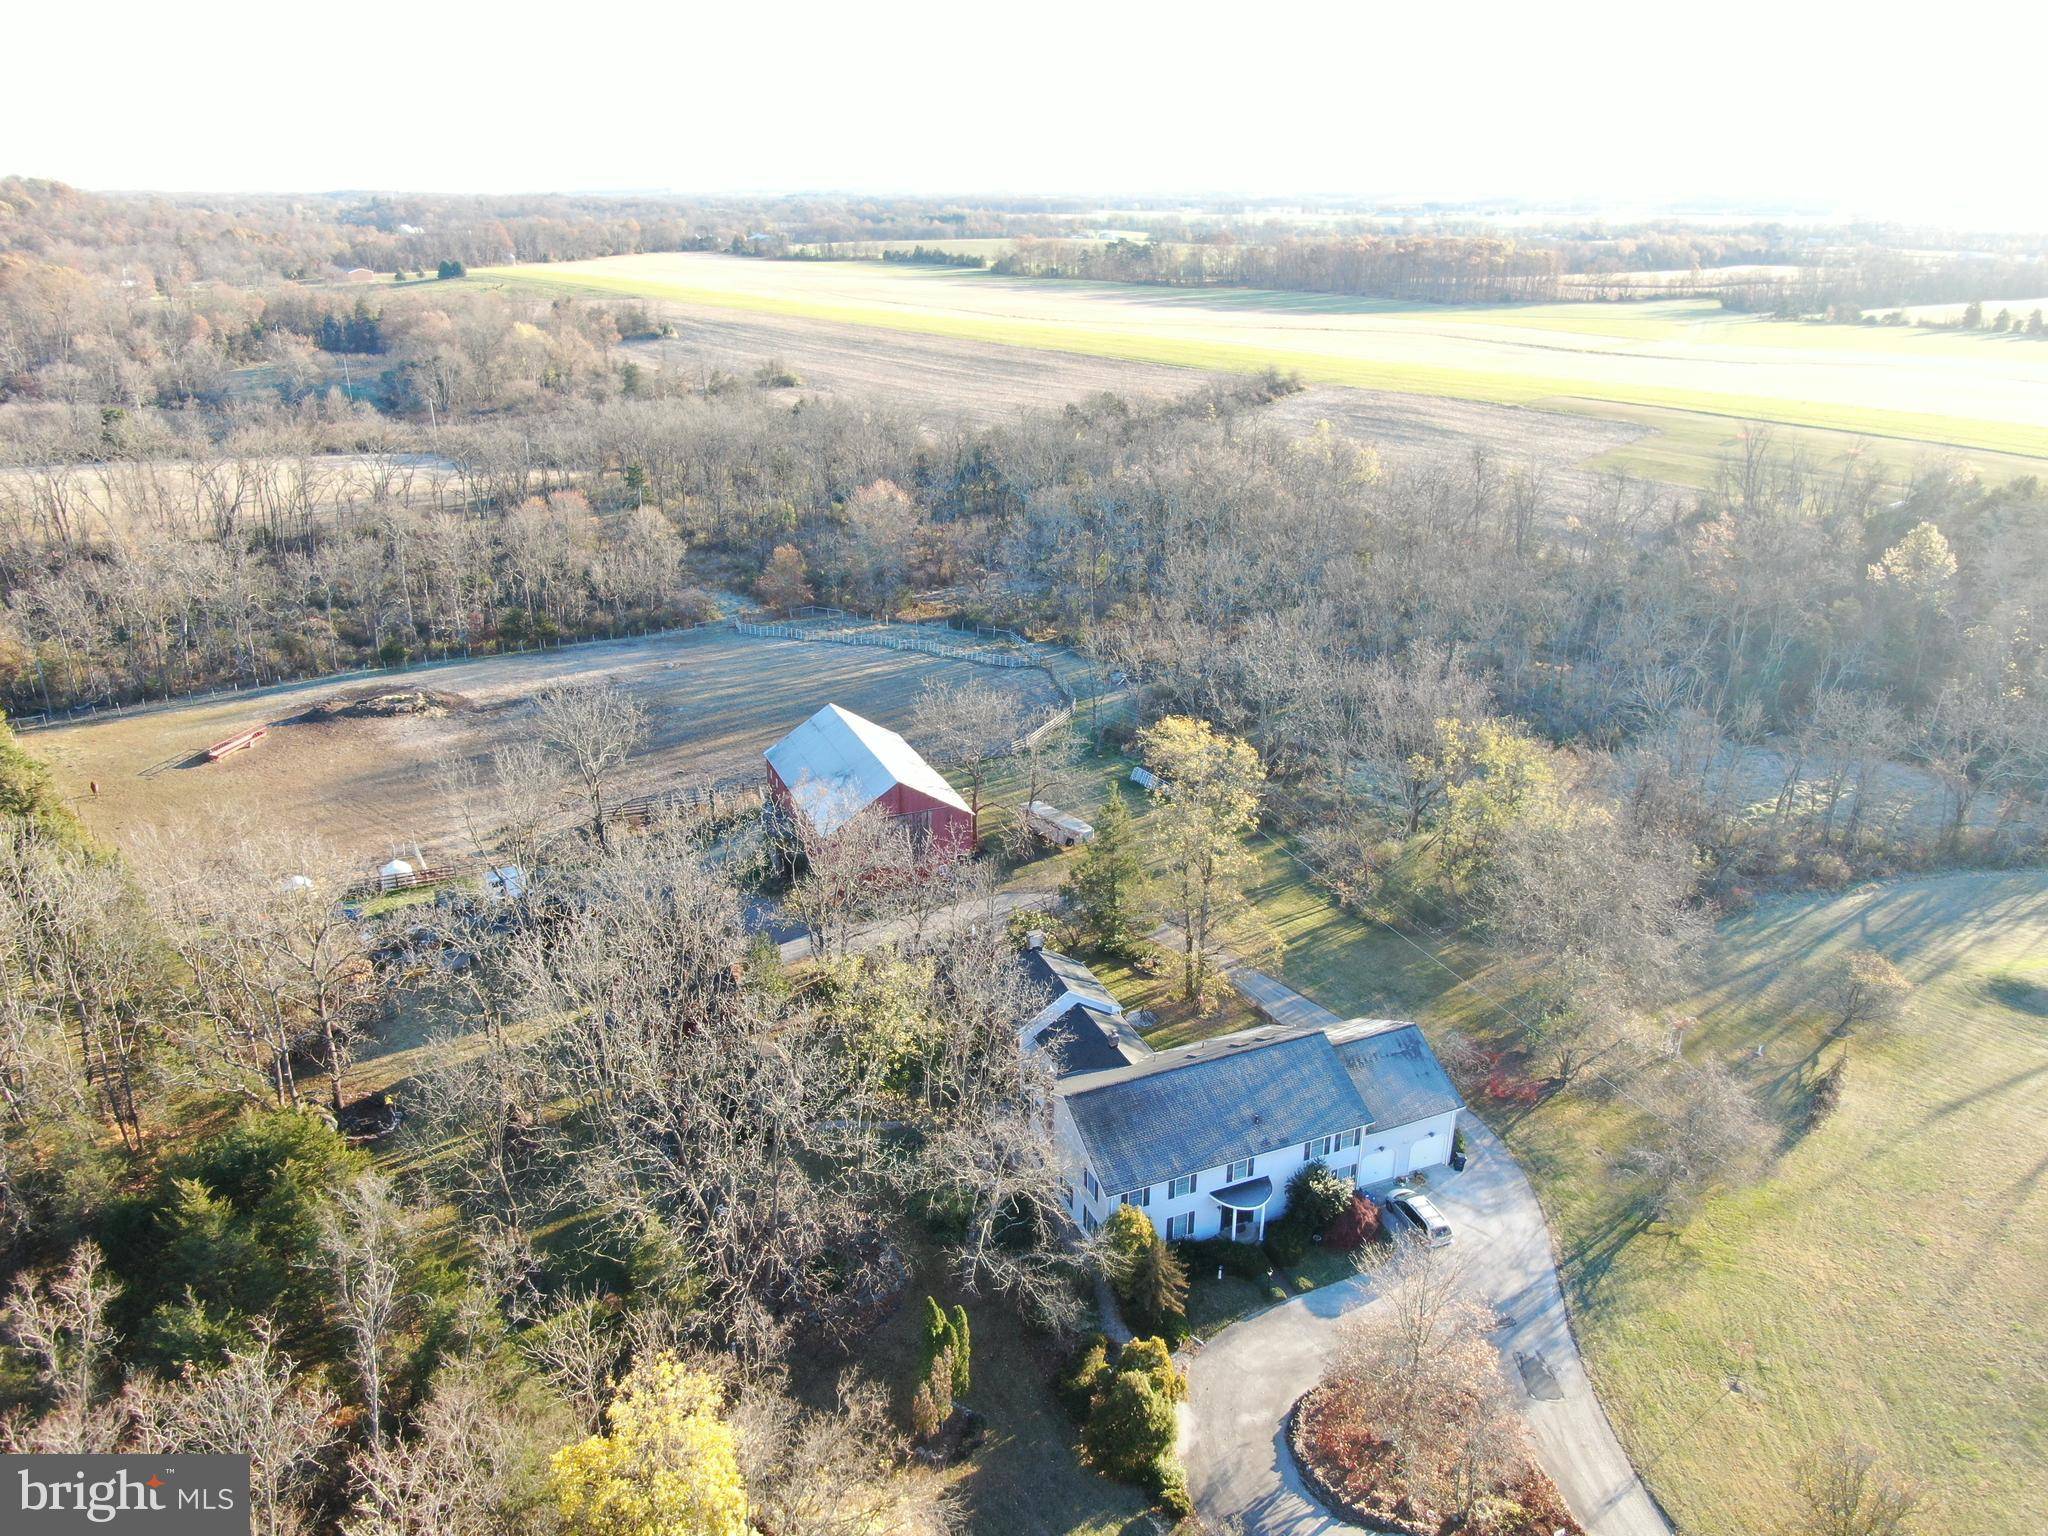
{"type": "Point", "coordinates": [1180, 1187]}
{"type": "Point", "coordinates": [1320, 1147]}
{"type": "Point", "coordinates": [1348, 1139]}
{"type": "Point", "coordinates": [1136, 1196]}
{"type": "Point", "coordinates": [1094, 1189]}
{"type": "Point", "coordinates": [1241, 1170]}
{"type": "Point", "coordinates": [1348, 1173]}
{"type": "Point", "coordinates": [1180, 1229]}
{"type": "Point", "coordinates": [1089, 1222]}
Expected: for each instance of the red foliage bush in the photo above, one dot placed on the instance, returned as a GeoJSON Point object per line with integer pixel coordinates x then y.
{"type": "Point", "coordinates": [1357, 1223]}
{"type": "Point", "coordinates": [1513, 1088]}
{"type": "Point", "coordinates": [1358, 1476]}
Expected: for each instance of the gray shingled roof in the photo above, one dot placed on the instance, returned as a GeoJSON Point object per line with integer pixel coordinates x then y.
{"type": "Point", "coordinates": [1397, 1074]}
{"type": "Point", "coordinates": [1210, 1103]}
{"type": "Point", "coordinates": [1077, 1043]}
{"type": "Point", "coordinates": [1216, 1101]}
{"type": "Point", "coordinates": [1059, 974]}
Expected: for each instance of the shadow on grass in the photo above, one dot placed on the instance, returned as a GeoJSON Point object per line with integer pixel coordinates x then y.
{"type": "Point", "coordinates": [1589, 1264]}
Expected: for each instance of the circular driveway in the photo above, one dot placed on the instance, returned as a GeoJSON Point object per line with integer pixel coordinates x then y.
{"type": "Point", "coordinates": [1241, 1385]}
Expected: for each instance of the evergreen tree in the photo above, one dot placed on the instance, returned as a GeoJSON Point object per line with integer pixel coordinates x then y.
{"type": "Point", "coordinates": [963, 1351]}
{"type": "Point", "coordinates": [1104, 889]}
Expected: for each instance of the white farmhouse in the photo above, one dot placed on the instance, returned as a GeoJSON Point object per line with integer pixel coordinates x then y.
{"type": "Point", "coordinates": [1204, 1138]}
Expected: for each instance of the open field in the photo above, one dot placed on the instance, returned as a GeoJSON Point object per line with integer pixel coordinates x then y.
{"type": "Point", "coordinates": [1920, 389]}
{"type": "Point", "coordinates": [942, 378]}
{"type": "Point", "coordinates": [1884, 1277]}
{"type": "Point", "coordinates": [371, 786]}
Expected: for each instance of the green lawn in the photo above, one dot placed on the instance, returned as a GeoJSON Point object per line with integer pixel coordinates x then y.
{"type": "Point", "coordinates": [1889, 1274]}
{"type": "Point", "coordinates": [1214, 1302]}
{"type": "Point", "coordinates": [1930, 387]}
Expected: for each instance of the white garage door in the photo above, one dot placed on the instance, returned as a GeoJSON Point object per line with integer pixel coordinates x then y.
{"type": "Point", "coordinates": [1427, 1152]}
{"type": "Point", "coordinates": [1373, 1167]}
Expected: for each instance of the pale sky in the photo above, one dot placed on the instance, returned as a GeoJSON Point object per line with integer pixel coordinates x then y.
{"type": "Point", "coordinates": [1922, 113]}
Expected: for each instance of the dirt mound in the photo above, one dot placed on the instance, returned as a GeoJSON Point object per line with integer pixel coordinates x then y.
{"type": "Point", "coordinates": [385, 703]}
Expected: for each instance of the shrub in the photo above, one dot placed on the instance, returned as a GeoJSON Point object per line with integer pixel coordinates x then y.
{"type": "Point", "coordinates": [1157, 1290]}
{"type": "Point", "coordinates": [963, 1353]}
{"type": "Point", "coordinates": [1287, 1240]}
{"type": "Point", "coordinates": [1144, 1273]}
{"type": "Point", "coordinates": [1316, 1196]}
{"type": "Point", "coordinates": [1829, 871]}
{"type": "Point", "coordinates": [1358, 1224]}
{"type": "Point", "coordinates": [1077, 1388]}
{"type": "Point", "coordinates": [1130, 1428]}
{"type": "Point", "coordinates": [1506, 1087]}
{"type": "Point", "coordinates": [1154, 1359]}
{"type": "Point", "coordinates": [1170, 1486]}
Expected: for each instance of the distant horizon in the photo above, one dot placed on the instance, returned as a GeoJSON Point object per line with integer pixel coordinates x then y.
{"type": "Point", "coordinates": [1764, 106]}
{"type": "Point", "coordinates": [1703, 209]}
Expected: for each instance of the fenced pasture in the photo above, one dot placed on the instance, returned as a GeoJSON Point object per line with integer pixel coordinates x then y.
{"type": "Point", "coordinates": [1921, 388]}
{"type": "Point", "coordinates": [366, 786]}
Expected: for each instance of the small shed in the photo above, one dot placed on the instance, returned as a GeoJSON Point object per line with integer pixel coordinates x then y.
{"type": "Point", "coordinates": [836, 765]}
{"type": "Point", "coordinates": [395, 876]}
{"type": "Point", "coordinates": [1056, 826]}
{"type": "Point", "coordinates": [1144, 777]}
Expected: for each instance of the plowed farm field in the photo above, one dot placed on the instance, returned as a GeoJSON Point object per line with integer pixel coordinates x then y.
{"type": "Point", "coordinates": [372, 787]}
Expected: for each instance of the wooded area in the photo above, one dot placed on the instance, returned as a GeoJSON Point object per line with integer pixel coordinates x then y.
{"type": "Point", "coordinates": [650, 1185]}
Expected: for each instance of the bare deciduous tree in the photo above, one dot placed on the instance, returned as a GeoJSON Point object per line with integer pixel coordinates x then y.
{"type": "Point", "coordinates": [1710, 1134]}
{"type": "Point", "coordinates": [595, 729]}
{"type": "Point", "coordinates": [367, 1237]}
{"type": "Point", "coordinates": [811, 1473]}
{"type": "Point", "coordinates": [255, 1404]}
{"type": "Point", "coordinates": [1841, 1490]}
{"type": "Point", "coordinates": [64, 1326]}
{"type": "Point", "coordinates": [1863, 991]}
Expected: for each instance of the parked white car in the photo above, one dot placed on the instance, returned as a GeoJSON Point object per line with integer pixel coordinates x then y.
{"type": "Point", "coordinates": [1421, 1213]}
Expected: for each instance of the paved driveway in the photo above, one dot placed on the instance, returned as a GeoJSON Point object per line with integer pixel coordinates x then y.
{"type": "Point", "coordinates": [1245, 1380]}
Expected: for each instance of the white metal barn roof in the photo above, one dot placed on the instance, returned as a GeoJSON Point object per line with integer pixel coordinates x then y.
{"type": "Point", "coordinates": [836, 764]}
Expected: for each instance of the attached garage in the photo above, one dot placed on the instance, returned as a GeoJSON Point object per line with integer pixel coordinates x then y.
{"type": "Point", "coordinates": [1427, 1151]}
{"type": "Point", "coordinates": [1376, 1166]}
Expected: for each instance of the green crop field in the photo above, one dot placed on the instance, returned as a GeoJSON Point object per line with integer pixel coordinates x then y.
{"type": "Point", "coordinates": [1699, 368]}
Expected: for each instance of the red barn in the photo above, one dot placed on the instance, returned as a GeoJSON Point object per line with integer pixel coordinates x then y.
{"type": "Point", "coordinates": [836, 765]}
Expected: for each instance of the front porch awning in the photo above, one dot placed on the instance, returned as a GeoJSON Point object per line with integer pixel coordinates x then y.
{"type": "Point", "coordinates": [1251, 1195]}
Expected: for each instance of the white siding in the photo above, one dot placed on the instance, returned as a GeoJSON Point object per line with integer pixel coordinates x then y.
{"type": "Point", "coordinates": [1382, 1156]}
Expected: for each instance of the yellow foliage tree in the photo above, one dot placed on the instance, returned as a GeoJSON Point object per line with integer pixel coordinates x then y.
{"type": "Point", "coordinates": [664, 1466]}
{"type": "Point", "coordinates": [1206, 804]}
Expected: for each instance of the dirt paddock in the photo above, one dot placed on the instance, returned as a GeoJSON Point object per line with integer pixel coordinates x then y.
{"type": "Point", "coordinates": [371, 786]}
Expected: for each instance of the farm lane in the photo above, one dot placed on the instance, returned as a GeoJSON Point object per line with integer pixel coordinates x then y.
{"type": "Point", "coordinates": [794, 945]}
